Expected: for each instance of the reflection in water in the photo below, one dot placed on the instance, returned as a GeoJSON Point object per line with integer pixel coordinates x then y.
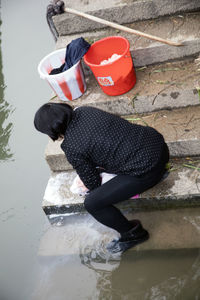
{"type": "Point", "coordinates": [158, 275]}
{"type": "Point", "coordinates": [185, 286]}
{"type": "Point", "coordinates": [76, 265]}
{"type": "Point", "coordinates": [154, 275]}
{"type": "Point", "coordinates": [96, 257]}
{"type": "Point", "coordinates": [5, 111]}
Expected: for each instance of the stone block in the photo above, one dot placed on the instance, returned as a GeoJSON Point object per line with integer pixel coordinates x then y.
{"type": "Point", "coordinates": [119, 12]}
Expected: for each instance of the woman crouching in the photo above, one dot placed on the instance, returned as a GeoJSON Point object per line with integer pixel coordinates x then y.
{"type": "Point", "coordinates": [94, 140]}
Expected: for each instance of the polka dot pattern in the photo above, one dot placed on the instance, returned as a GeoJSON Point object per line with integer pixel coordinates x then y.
{"type": "Point", "coordinates": [95, 138]}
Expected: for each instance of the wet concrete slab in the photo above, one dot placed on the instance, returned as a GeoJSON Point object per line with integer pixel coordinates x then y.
{"type": "Point", "coordinates": [168, 229]}
{"type": "Point", "coordinates": [180, 128]}
{"type": "Point", "coordinates": [171, 229]}
{"type": "Point", "coordinates": [180, 189]}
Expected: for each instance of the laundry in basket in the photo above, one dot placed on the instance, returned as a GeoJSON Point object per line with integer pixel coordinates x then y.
{"type": "Point", "coordinates": [69, 83]}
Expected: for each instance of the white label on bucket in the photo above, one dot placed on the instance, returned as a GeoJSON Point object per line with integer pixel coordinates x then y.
{"type": "Point", "coordinates": [105, 81]}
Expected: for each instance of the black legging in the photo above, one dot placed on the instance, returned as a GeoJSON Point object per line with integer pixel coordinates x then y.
{"type": "Point", "coordinates": [99, 202]}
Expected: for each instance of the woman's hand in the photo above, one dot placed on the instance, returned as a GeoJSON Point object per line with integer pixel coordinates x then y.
{"type": "Point", "coordinates": [81, 185]}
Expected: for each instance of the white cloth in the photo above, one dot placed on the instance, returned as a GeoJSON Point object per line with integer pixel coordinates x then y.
{"type": "Point", "coordinates": [110, 59]}
{"type": "Point", "coordinates": [78, 187]}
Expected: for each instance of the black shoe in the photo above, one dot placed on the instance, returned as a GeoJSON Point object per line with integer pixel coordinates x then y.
{"type": "Point", "coordinates": [130, 238]}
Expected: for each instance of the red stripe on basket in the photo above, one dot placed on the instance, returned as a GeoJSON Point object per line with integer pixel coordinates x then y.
{"type": "Point", "coordinates": [49, 68]}
{"type": "Point", "coordinates": [79, 80]}
{"type": "Point", "coordinates": [65, 88]}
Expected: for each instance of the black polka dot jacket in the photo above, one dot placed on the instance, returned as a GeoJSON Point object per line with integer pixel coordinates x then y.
{"type": "Point", "coordinates": [95, 138]}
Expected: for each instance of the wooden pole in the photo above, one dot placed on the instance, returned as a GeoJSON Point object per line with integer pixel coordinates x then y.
{"type": "Point", "coordinates": [121, 27]}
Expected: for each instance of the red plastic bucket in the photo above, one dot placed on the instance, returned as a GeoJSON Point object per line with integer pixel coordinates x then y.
{"type": "Point", "coordinates": [117, 77]}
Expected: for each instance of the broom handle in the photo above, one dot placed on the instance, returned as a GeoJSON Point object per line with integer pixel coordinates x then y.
{"type": "Point", "coordinates": [121, 27]}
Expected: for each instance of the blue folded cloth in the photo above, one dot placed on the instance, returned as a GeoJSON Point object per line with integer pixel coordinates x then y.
{"type": "Point", "coordinates": [74, 52]}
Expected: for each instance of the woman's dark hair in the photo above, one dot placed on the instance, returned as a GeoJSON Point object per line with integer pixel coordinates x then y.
{"type": "Point", "coordinates": [53, 119]}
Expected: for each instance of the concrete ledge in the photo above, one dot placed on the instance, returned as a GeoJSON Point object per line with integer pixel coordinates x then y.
{"type": "Point", "coordinates": [58, 162]}
{"type": "Point", "coordinates": [131, 103]}
{"type": "Point", "coordinates": [184, 148]}
{"type": "Point", "coordinates": [166, 100]}
{"type": "Point", "coordinates": [136, 205]}
{"type": "Point", "coordinates": [120, 12]}
{"type": "Point", "coordinates": [162, 53]}
{"type": "Point", "coordinates": [180, 189]}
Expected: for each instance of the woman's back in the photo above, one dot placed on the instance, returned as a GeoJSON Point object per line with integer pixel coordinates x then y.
{"type": "Point", "coordinates": [111, 142]}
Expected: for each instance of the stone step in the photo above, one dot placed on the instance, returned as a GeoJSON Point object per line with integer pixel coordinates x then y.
{"type": "Point", "coordinates": [169, 230]}
{"type": "Point", "coordinates": [180, 189]}
{"type": "Point", "coordinates": [162, 86]}
{"type": "Point", "coordinates": [180, 128]}
{"type": "Point", "coordinates": [121, 12]}
{"type": "Point", "coordinates": [182, 28]}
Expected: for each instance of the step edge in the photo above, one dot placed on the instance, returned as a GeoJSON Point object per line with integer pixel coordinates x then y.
{"type": "Point", "coordinates": [146, 10]}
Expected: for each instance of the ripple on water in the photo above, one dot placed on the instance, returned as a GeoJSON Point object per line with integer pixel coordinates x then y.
{"type": "Point", "coordinates": [85, 236]}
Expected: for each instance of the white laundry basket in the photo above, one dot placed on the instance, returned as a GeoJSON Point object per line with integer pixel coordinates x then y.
{"type": "Point", "coordinates": [68, 85]}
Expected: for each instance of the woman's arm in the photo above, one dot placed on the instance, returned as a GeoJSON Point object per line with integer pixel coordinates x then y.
{"type": "Point", "coordinates": [86, 170]}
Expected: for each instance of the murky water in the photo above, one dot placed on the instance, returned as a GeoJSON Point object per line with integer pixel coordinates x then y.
{"type": "Point", "coordinates": [40, 261]}
{"type": "Point", "coordinates": [76, 265]}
